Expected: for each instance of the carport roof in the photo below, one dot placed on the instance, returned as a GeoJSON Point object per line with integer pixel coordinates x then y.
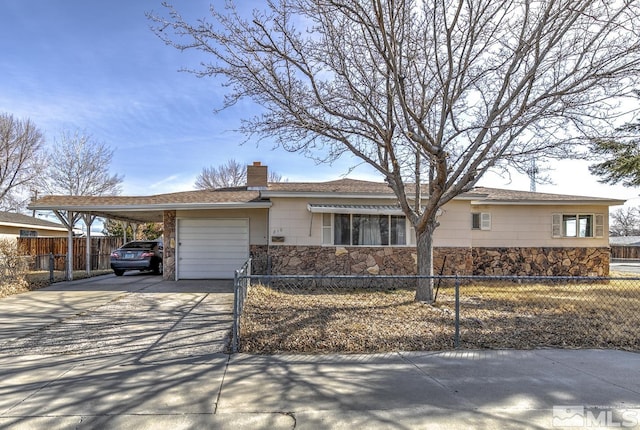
{"type": "Point", "coordinates": [151, 208]}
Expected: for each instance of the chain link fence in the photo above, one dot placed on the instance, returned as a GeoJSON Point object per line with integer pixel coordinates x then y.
{"type": "Point", "coordinates": [351, 314]}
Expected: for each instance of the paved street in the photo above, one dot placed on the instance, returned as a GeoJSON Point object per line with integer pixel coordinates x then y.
{"type": "Point", "coordinates": [136, 352]}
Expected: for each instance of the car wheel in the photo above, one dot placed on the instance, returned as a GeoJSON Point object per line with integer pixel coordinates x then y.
{"type": "Point", "coordinates": [118, 272]}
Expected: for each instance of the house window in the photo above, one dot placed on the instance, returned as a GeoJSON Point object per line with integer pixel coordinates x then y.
{"type": "Point", "coordinates": [366, 230]}
{"type": "Point", "coordinates": [577, 225]}
{"type": "Point", "coordinates": [28, 233]}
{"type": "Point", "coordinates": [481, 221]}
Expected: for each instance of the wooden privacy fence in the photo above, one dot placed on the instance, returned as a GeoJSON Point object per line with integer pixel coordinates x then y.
{"type": "Point", "coordinates": [41, 247]}
{"type": "Point", "coordinates": [631, 252]}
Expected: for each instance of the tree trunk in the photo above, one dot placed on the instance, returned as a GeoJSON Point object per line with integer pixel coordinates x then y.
{"type": "Point", "coordinates": [424, 250]}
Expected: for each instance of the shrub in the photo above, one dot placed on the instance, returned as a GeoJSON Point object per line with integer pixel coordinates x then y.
{"type": "Point", "coordinates": [13, 266]}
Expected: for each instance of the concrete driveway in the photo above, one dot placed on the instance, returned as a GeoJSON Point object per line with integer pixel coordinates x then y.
{"type": "Point", "coordinates": [136, 352]}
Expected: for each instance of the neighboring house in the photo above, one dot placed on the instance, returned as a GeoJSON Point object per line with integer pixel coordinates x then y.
{"type": "Point", "coordinates": [356, 227]}
{"type": "Point", "coordinates": [13, 225]}
{"type": "Point", "coordinates": [625, 247]}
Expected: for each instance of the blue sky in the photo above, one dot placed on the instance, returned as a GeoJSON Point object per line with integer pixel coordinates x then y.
{"type": "Point", "coordinates": [96, 66]}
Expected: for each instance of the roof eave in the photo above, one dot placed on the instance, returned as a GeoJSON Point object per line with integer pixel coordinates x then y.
{"type": "Point", "coordinates": [548, 202]}
{"type": "Point", "coordinates": [32, 226]}
{"type": "Point", "coordinates": [152, 207]}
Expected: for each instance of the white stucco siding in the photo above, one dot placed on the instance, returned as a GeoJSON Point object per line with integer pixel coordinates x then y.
{"type": "Point", "coordinates": [455, 225]}
{"type": "Point", "coordinates": [530, 226]}
{"type": "Point", "coordinates": [258, 220]}
{"type": "Point", "coordinates": [290, 218]}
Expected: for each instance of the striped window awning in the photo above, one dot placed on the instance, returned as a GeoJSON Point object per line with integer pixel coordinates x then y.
{"type": "Point", "coordinates": [355, 209]}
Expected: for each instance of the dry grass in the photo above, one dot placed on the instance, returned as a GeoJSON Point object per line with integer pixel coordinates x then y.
{"type": "Point", "coordinates": [37, 280]}
{"type": "Point", "coordinates": [506, 315]}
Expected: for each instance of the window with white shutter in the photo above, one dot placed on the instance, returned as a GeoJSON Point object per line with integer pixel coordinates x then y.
{"type": "Point", "coordinates": [577, 225]}
{"type": "Point", "coordinates": [481, 221]}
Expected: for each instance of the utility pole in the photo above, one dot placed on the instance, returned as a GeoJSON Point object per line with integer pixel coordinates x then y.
{"type": "Point", "coordinates": [532, 172]}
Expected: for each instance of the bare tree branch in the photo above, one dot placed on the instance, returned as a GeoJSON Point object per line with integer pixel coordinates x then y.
{"type": "Point", "coordinates": [228, 175]}
{"type": "Point", "coordinates": [21, 158]}
{"type": "Point", "coordinates": [452, 87]}
{"type": "Point", "coordinates": [78, 165]}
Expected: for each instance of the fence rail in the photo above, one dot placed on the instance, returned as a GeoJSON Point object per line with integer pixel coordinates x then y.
{"type": "Point", "coordinates": [379, 313]}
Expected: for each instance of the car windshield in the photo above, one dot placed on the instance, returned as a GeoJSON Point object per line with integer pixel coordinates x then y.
{"type": "Point", "coordinates": [139, 245]}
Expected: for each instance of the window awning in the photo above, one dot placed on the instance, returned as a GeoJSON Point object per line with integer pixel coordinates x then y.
{"type": "Point", "coordinates": [355, 209]}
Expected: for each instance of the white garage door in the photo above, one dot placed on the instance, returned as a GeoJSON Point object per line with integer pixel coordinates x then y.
{"type": "Point", "coordinates": [211, 248]}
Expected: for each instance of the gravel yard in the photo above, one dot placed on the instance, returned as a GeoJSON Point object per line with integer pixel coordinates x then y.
{"type": "Point", "coordinates": [505, 315]}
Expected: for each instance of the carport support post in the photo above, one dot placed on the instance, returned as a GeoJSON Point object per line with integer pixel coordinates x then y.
{"type": "Point", "coordinates": [68, 222]}
{"type": "Point", "coordinates": [69, 274]}
{"type": "Point", "coordinates": [88, 220]}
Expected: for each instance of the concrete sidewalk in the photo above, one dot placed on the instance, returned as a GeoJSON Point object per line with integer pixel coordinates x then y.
{"type": "Point", "coordinates": [472, 389]}
{"type": "Point", "coordinates": [150, 354]}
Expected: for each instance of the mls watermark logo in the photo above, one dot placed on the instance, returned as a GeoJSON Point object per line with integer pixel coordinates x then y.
{"type": "Point", "coordinates": [595, 417]}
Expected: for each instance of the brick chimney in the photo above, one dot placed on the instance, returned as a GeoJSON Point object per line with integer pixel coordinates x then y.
{"type": "Point", "coordinates": [257, 176]}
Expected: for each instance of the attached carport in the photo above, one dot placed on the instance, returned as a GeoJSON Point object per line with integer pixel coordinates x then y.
{"type": "Point", "coordinates": [207, 233]}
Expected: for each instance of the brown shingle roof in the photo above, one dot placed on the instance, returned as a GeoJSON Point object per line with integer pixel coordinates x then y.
{"type": "Point", "coordinates": [500, 195]}
{"type": "Point", "coordinates": [242, 196]}
{"type": "Point", "coordinates": [341, 186]}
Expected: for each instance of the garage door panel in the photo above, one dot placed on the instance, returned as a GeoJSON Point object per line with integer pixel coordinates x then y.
{"type": "Point", "coordinates": [211, 248]}
{"type": "Point", "coordinates": [209, 251]}
{"type": "Point", "coordinates": [231, 233]}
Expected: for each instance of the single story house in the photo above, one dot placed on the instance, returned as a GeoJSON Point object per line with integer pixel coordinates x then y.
{"type": "Point", "coordinates": [14, 225]}
{"type": "Point", "coordinates": [351, 226]}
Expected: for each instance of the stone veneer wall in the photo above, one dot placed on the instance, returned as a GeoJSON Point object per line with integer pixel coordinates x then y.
{"type": "Point", "coordinates": [259, 259]}
{"type": "Point", "coordinates": [306, 260]}
{"type": "Point", "coordinates": [542, 261]}
{"type": "Point", "coordinates": [169, 252]}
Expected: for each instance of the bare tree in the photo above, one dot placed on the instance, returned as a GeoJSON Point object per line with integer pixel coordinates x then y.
{"type": "Point", "coordinates": [625, 222]}
{"type": "Point", "coordinates": [21, 158]}
{"type": "Point", "coordinates": [230, 174]}
{"type": "Point", "coordinates": [433, 93]}
{"type": "Point", "coordinates": [79, 166]}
